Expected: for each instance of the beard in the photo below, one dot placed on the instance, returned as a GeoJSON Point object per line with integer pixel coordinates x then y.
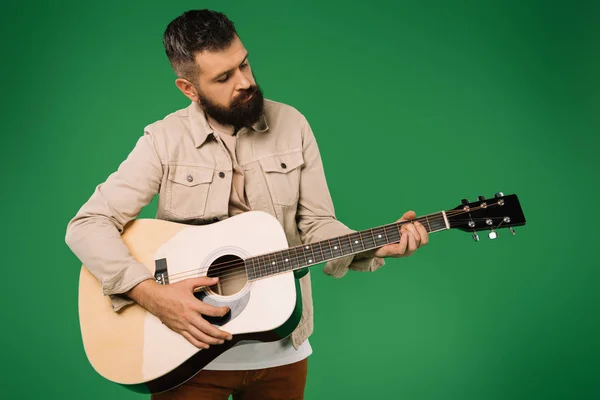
{"type": "Point", "coordinates": [239, 114]}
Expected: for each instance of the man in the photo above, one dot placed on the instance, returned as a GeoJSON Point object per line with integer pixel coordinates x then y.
{"type": "Point", "coordinates": [228, 152]}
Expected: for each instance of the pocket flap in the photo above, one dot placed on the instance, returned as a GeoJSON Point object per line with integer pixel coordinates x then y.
{"type": "Point", "coordinates": [282, 163]}
{"type": "Point", "coordinates": [191, 176]}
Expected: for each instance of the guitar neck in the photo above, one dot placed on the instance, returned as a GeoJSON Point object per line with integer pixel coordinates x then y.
{"type": "Point", "coordinates": [306, 255]}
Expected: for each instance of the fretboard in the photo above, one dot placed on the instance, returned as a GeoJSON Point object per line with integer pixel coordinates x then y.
{"type": "Point", "coordinates": [298, 257]}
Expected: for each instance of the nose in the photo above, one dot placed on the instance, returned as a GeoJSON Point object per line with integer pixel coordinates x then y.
{"type": "Point", "coordinates": [243, 82]}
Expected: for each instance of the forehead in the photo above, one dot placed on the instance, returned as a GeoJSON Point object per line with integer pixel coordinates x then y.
{"type": "Point", "coordinates": [212, 63]}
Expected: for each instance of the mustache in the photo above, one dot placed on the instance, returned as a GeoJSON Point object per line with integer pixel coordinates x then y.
{"type": "Point", "coordinates": [244, 95]}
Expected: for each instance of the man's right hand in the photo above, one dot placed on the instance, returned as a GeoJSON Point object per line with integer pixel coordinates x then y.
{"type": "Point", "coordinates": [177, 307]}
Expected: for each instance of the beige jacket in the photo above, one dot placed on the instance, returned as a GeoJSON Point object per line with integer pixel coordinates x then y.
{"type": "Point", "coordinates": [181, 159]}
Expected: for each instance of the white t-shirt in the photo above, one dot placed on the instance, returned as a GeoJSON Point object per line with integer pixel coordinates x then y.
{"type": "Point", "coordinates": [258, 355]}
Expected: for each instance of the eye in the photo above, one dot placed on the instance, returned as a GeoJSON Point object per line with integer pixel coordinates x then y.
{"type": "Point", "coordinates": [223, 79]}
{"type": "Point", "coordinates": [244, 64]}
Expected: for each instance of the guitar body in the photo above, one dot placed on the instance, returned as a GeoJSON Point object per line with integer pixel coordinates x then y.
{"type": "Point", "coordinates": [133, 348]}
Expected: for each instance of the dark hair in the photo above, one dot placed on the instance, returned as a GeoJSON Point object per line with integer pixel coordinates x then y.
{"type": "Point", "coordinates": [194, 31]}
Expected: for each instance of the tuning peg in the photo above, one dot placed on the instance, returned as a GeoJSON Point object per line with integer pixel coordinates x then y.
{"type": "Point", "coordinates": [464, 201]}
{"type": "Point", "coordinates": [492, 235]}
{"type": "Point", "coordinates": [511, 230]}
{"type": "Point", "coordinates": [481, 198]}
{"type": "Point", "coordinates": [475, 236]}
{"type": "Point", "coordinates": [498, 195]}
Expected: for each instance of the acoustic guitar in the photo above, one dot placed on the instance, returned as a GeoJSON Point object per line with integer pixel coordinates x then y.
{"type": "Point", "coordinates": [258, 280]}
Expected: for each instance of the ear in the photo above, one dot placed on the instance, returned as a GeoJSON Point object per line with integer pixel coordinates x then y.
{"type": "Point", "coordinates": [187, 88]}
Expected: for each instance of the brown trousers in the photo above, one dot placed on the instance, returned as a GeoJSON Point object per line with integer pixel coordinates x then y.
{"type": "Point", "coordinates": [284, 382]}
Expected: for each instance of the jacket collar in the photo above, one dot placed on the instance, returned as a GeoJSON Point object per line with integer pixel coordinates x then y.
{"type": "Point", "coordinates": [201, 129]}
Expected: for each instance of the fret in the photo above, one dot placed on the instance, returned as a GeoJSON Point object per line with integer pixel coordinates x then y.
{"type": "Point", "coordinates": [340, 248]}
{"type": "Point", "coordinates": [345, 245]}
{"type": "Point", "coordinates": [290, 260]}
{"type": "Point", "coordinates": [321, 251]}
{"type": "Point", "coordinates": [285, 255]}
{"type": "Point", "coordinates": [305, 256]}
{"type": "Point", "coordinates": [355, 242]}
{"type": "Point", "coordinates": [392, 233]}
{"type": "Point", "coordinates": [267, 265]}
{"type": "Point", "coordinates": [301, 256]}
{"type": "Point", "coordinates": [263, 265]}
{"type": "Point", "coordinates": [335, 248]}
{"type": "Point", "coordinates": [280, 266]}
{"type": "Point", "coordinates": [362, 243]}
{"type": "Point", "coordinates": [294, 258]}
{"type": "Point", "coordinates": [268, 268]}
{"type": "Point", "coordinates": [371, 243]}
{"type": "Point", "coordinates": [249, 268]}
{"type": "Point", "coordinates": [437, 222]}
{"type": "Point", "coordinates": [328, 251]}
{"type": "Point", "coordinates": [399, 228]}
{"type": "Point", "coordinates": [317, 252]}
{"type": "Point", "coordinates": [379, 237]}
{"type": "Point", "coordinates": [274, 267]}
{"type": "Point", "coordinates": [257, 270]}
{"type": "Point", "coordinates": [385, 233]}
{"type": "Point", "coordinates": [428, 224]}
{"type": "Point", "coordinates": [256, 262]}
{"type": "Point", "coordinates": [311, 254]}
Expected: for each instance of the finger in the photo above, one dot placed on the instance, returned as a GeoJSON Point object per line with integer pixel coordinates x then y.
{"type": "Point", "coordinates": [211, 330]}
{"type": "Point", "coordinates": [423, 236]}
{"type": "Point", "coordinates": [400, 248]}
{"type": "Point", "coordinates": [413, 231]}
{"type": "Point", "coordinates": [194, 341]}
{"type": "Point", "coordinates": [203, 337]}
{"type": "Point", "coordinates": [412, 244]}
{"type": "Point", "coordinates": [202, 281]}
{"type": "Point", "coordinates": [407, 216]}
{"type": "Point", "coordinates": [210, 310]}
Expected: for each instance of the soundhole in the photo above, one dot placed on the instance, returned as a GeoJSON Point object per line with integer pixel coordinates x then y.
{"type": "Point", "coordinates": [231, 272]}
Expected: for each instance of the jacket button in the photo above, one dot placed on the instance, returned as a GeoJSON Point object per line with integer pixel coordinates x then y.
{"type": "Point", "coordinates": [222, 174]}
{"type": "Point", "coordinates": [283, 165]}
{"type": "Point", "coordinates": [190, 178]}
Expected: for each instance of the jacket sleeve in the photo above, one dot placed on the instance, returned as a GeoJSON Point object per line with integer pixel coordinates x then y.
{"type": "Point", "coordinates": [316, 216]}
{"type": "Point", "coordinates": [94, 233]}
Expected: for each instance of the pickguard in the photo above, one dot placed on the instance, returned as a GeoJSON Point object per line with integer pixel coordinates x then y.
{"type": "Point", "coordinates": [235, 307]}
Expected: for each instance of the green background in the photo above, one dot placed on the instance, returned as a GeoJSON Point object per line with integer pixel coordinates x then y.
{"type": "Point", "coordinates": [415, 105]}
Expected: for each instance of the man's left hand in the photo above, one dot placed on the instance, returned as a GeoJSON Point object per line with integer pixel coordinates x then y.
{"type": "Point", "coordinates": [413, 236]}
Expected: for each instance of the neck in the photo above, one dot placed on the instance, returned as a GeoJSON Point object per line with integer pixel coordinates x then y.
{"type": "Point", "coordinates": [306, 255]}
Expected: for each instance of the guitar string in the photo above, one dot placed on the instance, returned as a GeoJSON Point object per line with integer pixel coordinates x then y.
{"type": "Point", "coordinates": [227, 264]}
{"type": "Point", "coordinates": [238, 272]}
{"type": "Point", "coordinates": [236, 265]}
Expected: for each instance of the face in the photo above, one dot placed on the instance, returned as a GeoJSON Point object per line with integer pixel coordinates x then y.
{"type": "Point", "coordinates": [225, 86]}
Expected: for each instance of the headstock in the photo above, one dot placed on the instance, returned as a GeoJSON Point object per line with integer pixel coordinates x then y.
{"type": "Point", "coordinates": [487, 214]}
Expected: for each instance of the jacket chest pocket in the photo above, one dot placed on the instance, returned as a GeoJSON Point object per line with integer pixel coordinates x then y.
{"type": "Point", "coordinates": [282, 173]}
{"type": "Point", "coordinates": [187, 190]}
